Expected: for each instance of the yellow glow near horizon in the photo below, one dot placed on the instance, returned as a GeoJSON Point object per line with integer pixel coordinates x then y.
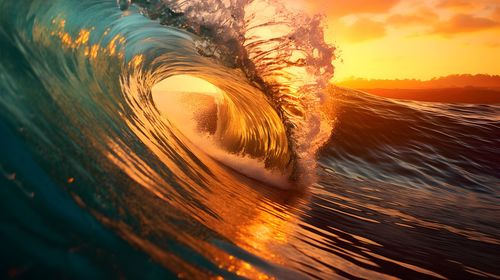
{"type": "Point", "coordinates": [178, 96]}
{"type": "Point", "coordinates": [406, 39]}
{"type": "Point", "coordinates": [415, 58]}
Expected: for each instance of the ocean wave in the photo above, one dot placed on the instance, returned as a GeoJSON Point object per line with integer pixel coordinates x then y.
{"type": "Point", "coordinates": [107, 170]}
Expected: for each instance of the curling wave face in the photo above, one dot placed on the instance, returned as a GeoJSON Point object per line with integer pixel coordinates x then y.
{"type": "Point", "coordinates": [260, 116]}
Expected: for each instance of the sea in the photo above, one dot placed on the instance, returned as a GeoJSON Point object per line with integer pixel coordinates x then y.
{"type": "Point", "coordinates": [275, 174]}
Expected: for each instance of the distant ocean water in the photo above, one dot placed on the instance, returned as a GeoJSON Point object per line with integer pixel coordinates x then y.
{"type": "Point", "coordinates": [282, 176]}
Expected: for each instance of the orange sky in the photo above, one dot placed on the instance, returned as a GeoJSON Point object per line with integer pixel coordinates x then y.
{"type": "Point", "coordinates": [412, 38]}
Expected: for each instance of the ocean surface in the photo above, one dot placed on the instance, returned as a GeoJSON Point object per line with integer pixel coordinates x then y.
{"type": "Point", "coordinates": [275, 174]}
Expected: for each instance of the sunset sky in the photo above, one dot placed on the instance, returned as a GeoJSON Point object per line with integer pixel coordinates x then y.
{"type": "Point", "coordinates": [420, 39]}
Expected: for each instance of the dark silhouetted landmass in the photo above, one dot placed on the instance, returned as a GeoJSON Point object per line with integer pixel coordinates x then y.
{"type": "Point", "coordinates": [484, 89]}
{"type": "Point", "coordinates": [450, 95]}
{"type": "Point", "coordinates": [452, 81]}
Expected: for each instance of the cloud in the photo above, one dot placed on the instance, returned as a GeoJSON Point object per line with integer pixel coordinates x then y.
{"type": "Point", "coordinates": [339, 8]}
{"type": "Point", "coordinates": [496, 13]}
{"type": "Point", "coordinates": [463, 23]}
{"type": "Point", "coordinates": [375, 19]}
{"type": "Point", "coordinates": [422, 17]}
{"type": "Point", "coordinates": [458, 4]}
{"type": "Point", "coordinates": [363, 29]}
{"type": "Point", "coordinates": [470, 7]}
{"type": "Point", "coordinates": [493, 45]}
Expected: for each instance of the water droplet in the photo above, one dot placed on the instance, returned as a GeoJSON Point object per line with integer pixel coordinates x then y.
{"type": "Point", "coordinates": [11, 176]}
{"type": "Point", "coordinates": [123, 4]}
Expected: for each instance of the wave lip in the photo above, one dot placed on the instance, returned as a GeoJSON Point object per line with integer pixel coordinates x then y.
{"type": "Point", "coordinates": [279, 50]}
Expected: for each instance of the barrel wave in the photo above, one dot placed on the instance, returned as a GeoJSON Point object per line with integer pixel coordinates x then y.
{"type": "Point", "coordinates": [108, 171]}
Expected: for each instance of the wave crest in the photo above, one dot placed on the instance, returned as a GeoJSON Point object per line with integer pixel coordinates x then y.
{"type": "Point", "coordinates": [280, 50]}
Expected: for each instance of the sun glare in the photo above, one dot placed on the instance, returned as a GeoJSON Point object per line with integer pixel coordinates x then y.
{"type": "Point", "coordinates": [185, 84]}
